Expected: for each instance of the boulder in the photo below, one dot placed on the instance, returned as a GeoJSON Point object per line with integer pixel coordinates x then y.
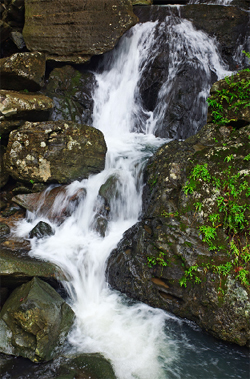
{"type": "Point", "coordinates": [74, 29]}
{"type": "Point", "coordinates": [55, 151]}
{"type": "Point", "coordinates": [71, 92]}
{"type": "Point", "coordinates": [34, 322]}
{"type": "Point", "coordinates": [55, 203]}
{"type": "Point", "coordinates": [15, 107]}
{"type": "Point", "coordinates": [189, 253]}
{"type": "Point", "coordinates": [22, 71]}
{"type": "Point", "coordinates": [165, 261]}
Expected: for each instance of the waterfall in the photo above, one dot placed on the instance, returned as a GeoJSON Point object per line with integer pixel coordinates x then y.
{"type": "Point", "coordinates": [140, 341]}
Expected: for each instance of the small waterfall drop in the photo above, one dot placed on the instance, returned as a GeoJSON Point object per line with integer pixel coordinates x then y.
{"type": "Point", "coordinates": [140, 341]}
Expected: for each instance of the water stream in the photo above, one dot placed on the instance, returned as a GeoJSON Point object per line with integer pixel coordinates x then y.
{"type": "Point", "coordinates": [140, 341]}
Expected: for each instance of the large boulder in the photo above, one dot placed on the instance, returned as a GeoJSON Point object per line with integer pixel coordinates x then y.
{"type": "Point", "coordinates": [22, 71]}
{"type": "Point", "coordinates": [71, 91]}
{"type": "Point", "coordinates": [70, 30]}
{"type": "Point", "coordinates": [17, 107]}
{"type": "Point", "coordinates": [55, 152]}
{"type": "Point", "coordinates": [165, 259]}
{"type": "Point", "coordinates": [189, 254]}
{"type": "Point", "coordinates": [34, 322]}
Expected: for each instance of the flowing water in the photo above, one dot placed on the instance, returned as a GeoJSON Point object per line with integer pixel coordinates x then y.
{"type": "Point", "coordinates": [140, 341]}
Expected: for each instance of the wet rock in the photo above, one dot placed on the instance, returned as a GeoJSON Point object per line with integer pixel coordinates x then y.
{"type": "Point", "coordinates": [42, 229]}
{"type": "Point", "coordinates": [54, 203]}
{"type": "Point", "coordinates": [4, 30]}
{"type": "Point", "coordinates": [100, 225]}
{"type": "Point", "coordinates": [109, 190]}
{"type": "Point", "coordinates": [22, 71]}
{"type": "Point", "coordinates": [34, 322]}
{"type": "Point", "coordinates": [75, 29]}
{"type": "Point", "coordinates": [17, 267]}
{"type": "Point", "coordinates": [16, 106]}
{"type": "Point", "coordinates": [71, 92]}
{"type": "Point", "coordinates": [55, 151]}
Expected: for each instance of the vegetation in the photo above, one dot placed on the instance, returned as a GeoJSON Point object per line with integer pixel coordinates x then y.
{"type": "Point", "coordinates": [230, 99]}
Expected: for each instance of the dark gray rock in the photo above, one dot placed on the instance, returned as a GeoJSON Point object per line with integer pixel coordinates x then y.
{"type": "Point", "coordinates": [42, 229]}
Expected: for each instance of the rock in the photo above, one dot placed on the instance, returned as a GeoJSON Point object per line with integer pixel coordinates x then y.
{"type": "Point", "coordinates": [16, 106]}
{"type": "Point", "coordinates": [17, 267]}
{"type": "Point", "coordinates": [18, 40]}
{"type": "Point", "coordinates": [4, 175]}
{"type": "Point", "coordinates": [4, 230]}
{"type": "Point", "coordinates": [55, 151]}
{"type": "Point", "coordinates": [34, 322]}
{"type": "Point", "coordinates": [42, 229]}
{"type": "Point", "coordinates": [71, 92]}
{"type": "Point", "coordinates": [93, 366]}
{"type": "Point", "coordinates": [56, 203]}
{"type": "Point", "coordinates": [109, 190]}
{"type": "Point", "coordinates": [22, 71]}
{"type": "Point", "coordinates": [75, 29]}
{"type": "Point", "coordinates": [228, 24]}
{"type": "Point", "coordinates": [178, 107]}
{"type": "Point", "coordinates": [167, 260]}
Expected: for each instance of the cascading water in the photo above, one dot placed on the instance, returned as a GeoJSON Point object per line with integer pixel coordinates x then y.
{"type": "Point", "coordinates": [141, 342]}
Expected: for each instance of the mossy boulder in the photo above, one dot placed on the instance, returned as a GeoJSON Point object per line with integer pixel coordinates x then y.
{"type": "Point", "coordinates": [34, 322]}
{"type": "Point", "coordinates": [165, 261]}
{"type": "Point", "coordinates": [71, 91]}
{"type": "Point", "coordinates": [55, 152]}
{"type": "Point", "coordinates": [22, 71]}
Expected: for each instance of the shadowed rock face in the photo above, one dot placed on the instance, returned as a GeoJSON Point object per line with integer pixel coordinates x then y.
{"type": "Point", "coordinates": [76, 27]}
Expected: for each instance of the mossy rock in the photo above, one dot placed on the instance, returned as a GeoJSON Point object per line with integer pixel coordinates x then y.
{"type": "Point", "coordinates": [34, 322]}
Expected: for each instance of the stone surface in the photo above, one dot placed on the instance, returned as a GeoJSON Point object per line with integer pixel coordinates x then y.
{"type": "Point", "coordinates": [76, 28]}
{"type": "Point", "coordinates": [169, 230]}
{"type": "Point", "coordinates": [17, 267]}
{"type": "Point", "coordinates": [160, 251]}
{"type": "Point", "coordinates": [55, 203]}
{"type": "Point", "coordinates": [82, 366]}
{"type": "Point", "coordinates": [23, 106]}
{"type": "Point", "coordinates": [55, 151]}
{"type": "Point", "coordinates": [34, 322]}
{"type": "Point", "coordinates": [22, 71]}
{"type": "Point", "coordinates": [71, 92]}
{"type": "Point", "coordinates": [42, 229]}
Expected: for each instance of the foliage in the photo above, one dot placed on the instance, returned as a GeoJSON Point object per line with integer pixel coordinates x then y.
{"type": "Point", "coordinates": [230, 99]}
{"type": "Point", "coordinates": [231, 214]}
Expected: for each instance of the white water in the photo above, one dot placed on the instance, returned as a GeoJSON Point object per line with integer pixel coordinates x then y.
{"type": "Point", "coordinates": [136, 338]}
